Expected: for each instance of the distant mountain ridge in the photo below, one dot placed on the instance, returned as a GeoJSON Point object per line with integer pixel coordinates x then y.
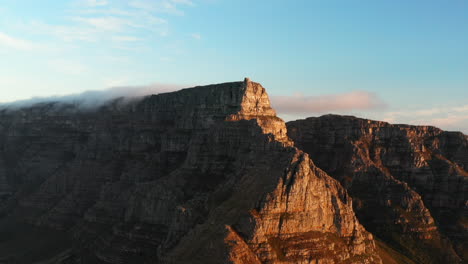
{"type": "Point", "coordinates": [211, 175]}
{"type": "Point", "coordinates": [409, 183]}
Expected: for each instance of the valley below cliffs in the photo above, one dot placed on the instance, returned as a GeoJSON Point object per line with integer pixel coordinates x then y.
{"type": "Point", "coordinates": [210, 174]}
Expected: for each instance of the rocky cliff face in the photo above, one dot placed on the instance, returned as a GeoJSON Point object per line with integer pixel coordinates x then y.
{"type": "Point", "coordinates": [202, 175]}
{"type": "Point", "coordinates": [409, 183]}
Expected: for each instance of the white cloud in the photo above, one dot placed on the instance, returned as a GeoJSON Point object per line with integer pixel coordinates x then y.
{"type": "Point", "coordinates": [114, 82]}
{"type": "Point", "coordinates": [161, 6]}
{"type": "Point", "coordinates": [93, 29]}
{"type": "Point", "coordinates": [453, 122]}
{"type": "Point", "coordinates": [428, 112]}
{"type": "Point", "coordinates": [95, 98]}
{"type": "Point", "coordinates": [449, 121]}
{"type": "Point", "coordinates": [15, 43]}
{"type": "Point", "coordinates": [196, 36]}
{"type": "Point", "coordinates": [100, 20]}
{"type": "Point", "coordinates": [65, 33]}
{"type": "Point", "coordinates": [165, 59]}
{"type": "Point", "coordinates": [67, 66]}
{"type": "Point", "coordinates": [94, 3]}
{"type": "Point", "coordinates": [184, 2]}
{"type": "Point", "coordinates": [463, 108]}
{"type": "Point", "coordinates": [104, 11]}
{"type": "Point", "coordinates": [141, 5]}
{"type": "Point", "coordinates": [104, 23]}
{"type": "Point", "coordinates": [125, 38]}
{"type": "Point", "coordinates": [445, 117]}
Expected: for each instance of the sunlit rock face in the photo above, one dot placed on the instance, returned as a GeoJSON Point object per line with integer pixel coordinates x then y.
{"type": "Point", "coordinates": [409, 183]}
{"type": "Point", "coordinates": [202, 175]}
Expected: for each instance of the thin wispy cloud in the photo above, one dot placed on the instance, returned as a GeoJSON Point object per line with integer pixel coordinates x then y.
{"type": "Point", "coordinates": [67, 67]}
{"type": "Point", "coordinates": [428, 112]}
{"type": "Point", "coordinates": [300, 104]}
{"type": "Point", "coordinates": [125, 38]}
{"type": "Point", "coordinates": [94, 3]}
{"type": "Point", "coordinates": [450, 121]}
{"type": "Point", "coordinates": [104, 11]}
{"type": "Point", "coordinates": [95, 21]}
{"type": "Point", "coordinates": [446, 117]}
{"type": "Point", "coordinates": [161, 6]}
{"type": "Point", "coordinates": [104, 23]}
{"type": "Point", "coordinates": [369, 105]}
{"type": "Point", "coordinates": [15, 43]}
{"type": "Point", "coordinates": [185, 2]}
{"type": "Point", "coordinates": [453, 122]}
{"type": "Point", "coordinates": [196, 36]}
{"type": "Point", "coordinates": [116, 82]}
{"type": "Point", "coordinates": [66, 33]}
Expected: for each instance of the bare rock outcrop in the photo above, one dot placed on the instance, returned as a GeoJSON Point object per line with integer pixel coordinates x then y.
{"type": "Point", "coordinates": [202, 175]}
{"type": "Point", "coordinates": [409, 183]}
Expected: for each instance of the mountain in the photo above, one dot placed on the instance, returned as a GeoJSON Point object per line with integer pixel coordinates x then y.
{"type": "Point", "coordinates": [409, 183]}
{"type": "Point", "coordinates": [201, 175]}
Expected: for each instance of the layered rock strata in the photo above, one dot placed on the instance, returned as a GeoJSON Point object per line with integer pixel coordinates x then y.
{"type": "Point", "coordinates": [409, 183]}
{"type": "Point", "coordinates": [202, 175]}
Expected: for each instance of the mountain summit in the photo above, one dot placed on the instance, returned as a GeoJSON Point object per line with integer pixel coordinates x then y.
{"type": "Point", "coordinates": [209, 174]}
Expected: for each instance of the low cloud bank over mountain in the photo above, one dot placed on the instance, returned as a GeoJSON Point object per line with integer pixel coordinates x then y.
{"type": "Point", "coordinates": [289, 107]}
{"type": "Point", "coordinates": [90, 99]}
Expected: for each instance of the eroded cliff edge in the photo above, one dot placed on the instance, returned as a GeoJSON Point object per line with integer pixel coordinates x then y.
{"type": "Point", "coordinates": [202, 175]}
{"type": "Point", "coordinates": [409, 183]}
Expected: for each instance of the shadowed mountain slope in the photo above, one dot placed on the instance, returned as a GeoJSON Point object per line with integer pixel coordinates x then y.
{"type": "Point", "coordinates": [202, 175]}
{"type": "Point", "coordinates": [409, 183]}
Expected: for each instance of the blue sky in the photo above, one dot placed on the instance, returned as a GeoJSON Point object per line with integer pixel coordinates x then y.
{"type": "Point", "coordinates": [399, 61]}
